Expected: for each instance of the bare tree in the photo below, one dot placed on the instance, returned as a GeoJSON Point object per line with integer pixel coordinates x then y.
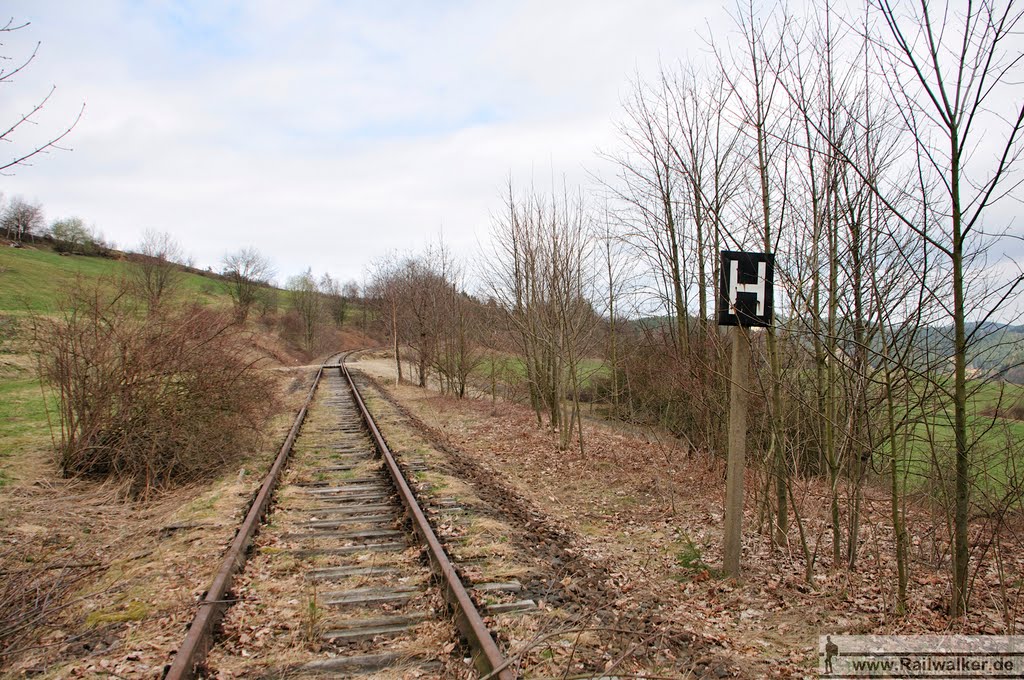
{"type": "Point", "coordinates": [702, 143]}
{"type": "Point", "coordinates": [156, 271]}
{"type": "Point", "coordinates": [458, 350]}
{"type": "Point", "coordinates": [12, 132]}
{"type": "Point", "coordinates": [335, 299]}
{"type": "Point", "coordinates": [385, 290]}
{"type": "Point", "coordinates": [615, 276]}
{"type": "Point", "coordinates": [953, 71]}
{"type": "Point", "coordinates": [424, 284]}
{"type": "Point", "coordinates": [651, 187]}
{"type": "Point", "coordinates": [355, 292]}
{"type": "Point", "coordinates": [762, 111]}
{"type": "Point", "coordinates": [247, 272]}
{"type": "Point", "coordinates": [351, 291]}
{"type": "Point", "coordinates": [308, 301]}
{"type": "Point", "coordinates": [542, 274]}
{"type": "Point", "coordinates": [22, 220]}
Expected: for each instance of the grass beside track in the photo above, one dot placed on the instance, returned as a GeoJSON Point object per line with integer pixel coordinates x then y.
{"type": "Point", "coordinates": [997, 453]}
{"type": "Point", "coordinates": [507, 366]}
{"type": "Point", "coordinates": [926, 460]}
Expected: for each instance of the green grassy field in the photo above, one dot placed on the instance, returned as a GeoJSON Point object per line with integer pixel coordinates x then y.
{"type": "Point", "coordinates": [997, 454]}
{"type": "Point", "coordinates": [509, 366]}
{"type": "Point", "coordinates": [991, 394]}
{"type": "Point", "coordinates": [33, 279]}
{"type": "Point", "coordinates": [23, 421]}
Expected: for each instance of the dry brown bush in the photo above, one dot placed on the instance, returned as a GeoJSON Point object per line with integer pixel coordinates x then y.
{"type": "Point", "coordinates": [154, 400]}
{"type": "Point", "coordinates": [687, 394]}
{"type": "Point", "coordinates": [1010, 411]}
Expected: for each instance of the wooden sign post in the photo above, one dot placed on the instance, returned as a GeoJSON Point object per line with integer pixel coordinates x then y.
{"type": "Point", "coordinates": [745, 300]}
{"type": "Point", "coordinates": [737, 460]}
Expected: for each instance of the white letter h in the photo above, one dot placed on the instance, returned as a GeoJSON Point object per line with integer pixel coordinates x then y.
{"type": "Point", "coordinates": [757, 288]}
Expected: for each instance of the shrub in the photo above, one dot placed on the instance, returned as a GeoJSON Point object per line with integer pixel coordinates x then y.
{"type": "Point", "coordinates": [73, 237]}
{"type": "Point", "coordinates": [155, 400]}
{"type": "Point", "coordinates": [8, 331]}
{"type": "Point", "coordinates": [688, 394]}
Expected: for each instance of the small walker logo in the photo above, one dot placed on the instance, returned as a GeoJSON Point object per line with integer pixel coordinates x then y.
{"type": "Point", "coordinates": [831, 651]}
{"type": "Point", "coordinates": [921, 656]}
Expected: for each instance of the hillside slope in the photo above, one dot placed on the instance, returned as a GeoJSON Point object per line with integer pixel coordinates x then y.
{"type": "Point", "coordinates": [32, 277]}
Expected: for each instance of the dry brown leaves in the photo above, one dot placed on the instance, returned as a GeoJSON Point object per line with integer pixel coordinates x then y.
{"type": "Point", "coordinates": [652, 513]}
{"type": "Point", "coordinates": [145, 564]}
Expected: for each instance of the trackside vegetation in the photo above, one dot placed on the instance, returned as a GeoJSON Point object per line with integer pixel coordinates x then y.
{"type": "Point", "coordinates": [152, 399]}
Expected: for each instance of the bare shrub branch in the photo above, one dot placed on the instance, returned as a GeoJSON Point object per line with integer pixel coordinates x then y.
{"type": "Point", "coordinates": [157, 400]}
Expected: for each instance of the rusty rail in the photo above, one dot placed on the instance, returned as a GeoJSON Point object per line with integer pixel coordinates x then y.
{"type": "Point", "coordinates": [199, 639]}
{"type": "Point", "coordinates": [486, 656]}
{"type": "Point", "coordinates": [192, 653]}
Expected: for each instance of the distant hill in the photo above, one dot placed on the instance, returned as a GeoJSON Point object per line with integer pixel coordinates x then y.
{"type": "Point", "coordinates": [998, 348]}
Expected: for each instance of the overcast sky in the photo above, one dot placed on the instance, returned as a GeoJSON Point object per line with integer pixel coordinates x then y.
{"type": "Point", "coordinates": [323, 133]}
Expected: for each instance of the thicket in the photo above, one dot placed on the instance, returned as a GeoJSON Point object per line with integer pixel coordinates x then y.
{"type": "Point", "coordinates": [870, 159]}
{"type": "Point", "coordinates": [847, 143]}
{"type": "Point", "coordinates": [420, 303]}
{"type": "Point", "coordinates": [154, 400]}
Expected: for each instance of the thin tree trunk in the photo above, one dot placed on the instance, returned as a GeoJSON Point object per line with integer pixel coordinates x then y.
{"type": "Point", "coordinates": [394, 333]}
{"type": "Point", "coordinates": [961, 545]}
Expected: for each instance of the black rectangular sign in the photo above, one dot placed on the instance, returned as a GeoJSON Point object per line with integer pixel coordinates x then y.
{"type": "Point", "coordinates": [745, 289]}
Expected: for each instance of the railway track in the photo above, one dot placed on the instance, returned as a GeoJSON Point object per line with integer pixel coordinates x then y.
{"type": "Point", "coordinates": [348, 577]}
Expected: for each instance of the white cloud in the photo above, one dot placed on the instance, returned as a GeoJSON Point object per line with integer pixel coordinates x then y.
{"type": "Point", "coordinates": [325, 133]}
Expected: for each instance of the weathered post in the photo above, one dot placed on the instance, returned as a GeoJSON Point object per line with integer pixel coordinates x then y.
{"type": "Point", "coordinates": [736, 462]}
{"type": "Point", "coordinates": [744, 301]}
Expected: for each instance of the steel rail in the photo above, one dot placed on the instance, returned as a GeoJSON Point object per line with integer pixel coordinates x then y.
{"type": "Point", "coordinates": [486, 656]}
{"type": "Point", "coordinates": [199, 639]}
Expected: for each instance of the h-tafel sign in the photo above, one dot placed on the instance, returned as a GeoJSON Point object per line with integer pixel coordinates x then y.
{"type": "Point", "coordinates": [746, 289]}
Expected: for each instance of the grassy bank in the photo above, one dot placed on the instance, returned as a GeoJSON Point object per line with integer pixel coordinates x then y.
{"type": "Point", "coordinates": [32, 279]}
